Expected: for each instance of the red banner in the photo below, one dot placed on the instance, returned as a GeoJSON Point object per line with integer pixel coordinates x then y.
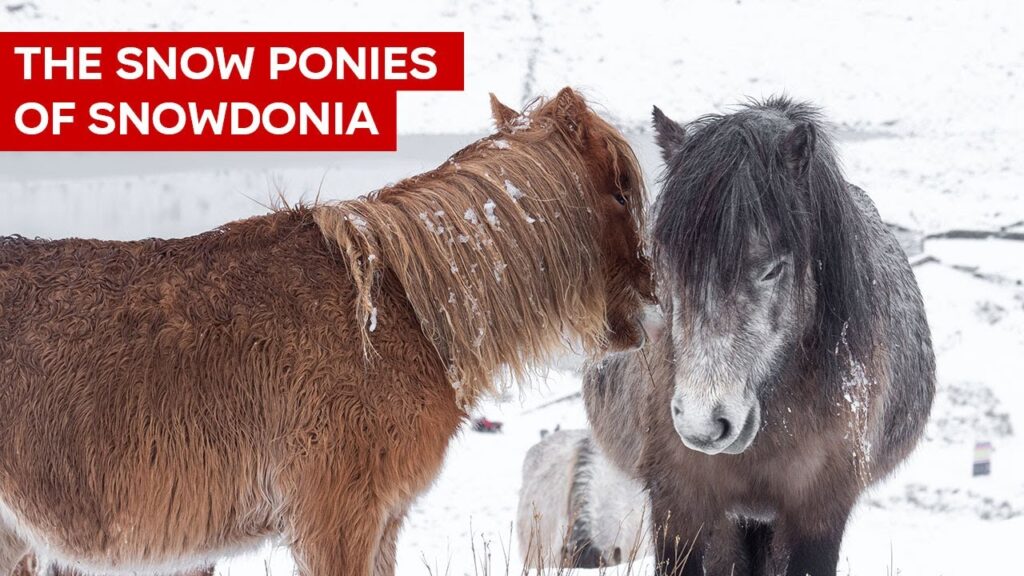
{"type": "Point", "coordinates": [211, 91]}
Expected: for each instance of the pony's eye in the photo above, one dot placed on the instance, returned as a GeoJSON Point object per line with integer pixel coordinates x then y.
{"type": "Point", "coordinates": [774, 272]}
{"type": "Point", "coordinates": [620, 198]}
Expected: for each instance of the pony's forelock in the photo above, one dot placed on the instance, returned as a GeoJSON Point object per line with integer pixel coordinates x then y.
{"type": "Point", "coordinates": [729, 185]}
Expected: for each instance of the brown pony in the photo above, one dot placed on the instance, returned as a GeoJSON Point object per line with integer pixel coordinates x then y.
{"type": "Point", "coordinates": [298, 375]}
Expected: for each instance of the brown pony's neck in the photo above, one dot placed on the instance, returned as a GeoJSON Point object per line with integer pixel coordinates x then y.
{"type": "Point", "coordinates": [496, 250]}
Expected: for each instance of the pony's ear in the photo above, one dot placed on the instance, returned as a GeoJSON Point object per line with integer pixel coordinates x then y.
{"type": "Point", "coordinates": [670, 135]}
{"type": "Point", "coordinates": [570, 108]}
{"type": "Point", "coordinates": [503, 115]}
{"type": "Point", "coordinates": [798, 149]}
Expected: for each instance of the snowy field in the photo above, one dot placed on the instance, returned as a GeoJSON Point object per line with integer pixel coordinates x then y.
{"type": "Point", "coordinates": [926, 97]}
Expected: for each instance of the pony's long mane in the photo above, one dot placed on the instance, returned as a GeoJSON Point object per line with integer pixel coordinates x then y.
{"type": "Point", "coordinates": [730, 182]}
{"type": "Point", "coordinates": [496, 250]}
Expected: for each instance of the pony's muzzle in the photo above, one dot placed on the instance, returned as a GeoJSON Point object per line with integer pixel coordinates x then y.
{"type": "Point", "coordinates": [727, 429]}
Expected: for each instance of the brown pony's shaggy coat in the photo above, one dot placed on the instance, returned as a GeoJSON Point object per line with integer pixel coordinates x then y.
{"type": "Point", "coordinates": [167, 402]}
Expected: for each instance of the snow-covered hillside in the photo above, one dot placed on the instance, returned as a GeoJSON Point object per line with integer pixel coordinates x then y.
{"type": "Point", "coordinates": [894, 67]}
{"type": "Point", "coordinates": [930, 91]}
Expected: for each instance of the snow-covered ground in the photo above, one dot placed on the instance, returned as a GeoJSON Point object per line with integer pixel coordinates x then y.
{"type": "Point", "coordinates": [926, 98]}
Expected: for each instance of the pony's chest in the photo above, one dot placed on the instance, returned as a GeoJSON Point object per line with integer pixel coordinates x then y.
{"type": "Point", "coordinates": [772, 477]}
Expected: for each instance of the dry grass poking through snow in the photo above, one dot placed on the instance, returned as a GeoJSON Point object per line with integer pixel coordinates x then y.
{"type": "Point", "coordinates": [486, 564]}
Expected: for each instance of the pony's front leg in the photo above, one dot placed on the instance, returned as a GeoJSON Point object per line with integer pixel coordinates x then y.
{"type": "Point", "coordinates": [737, 547]}
{"type": "Point", "coordinates": [329, 549]}
{"type": "Point", "coordinates": [679, 537]}
{"type": "Point", "coordinates": [814, 556]}
{"type": "Point", "coordinates": [759, 548]}
{"type": "Point", "coordinates": [814, 548]}
{"type": "Point", "coordinates": [385, 561]}
{"type": "Point", "coordinates": [336, 532]}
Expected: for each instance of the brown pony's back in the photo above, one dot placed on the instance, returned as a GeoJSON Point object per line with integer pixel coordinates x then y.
{"type": "Point", "coordinates": [175, 380]}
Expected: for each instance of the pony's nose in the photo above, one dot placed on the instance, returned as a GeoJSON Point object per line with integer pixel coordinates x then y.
{"type": "Point", "coordinates": [724, 428]}
{"type": "Point", "coordinates": [707, 437]}
{"type": "Point", "coordinates": [711, 434]}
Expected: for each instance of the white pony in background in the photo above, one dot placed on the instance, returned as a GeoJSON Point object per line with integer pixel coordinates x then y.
{"type": "Point", "coordinates": [576, 509]}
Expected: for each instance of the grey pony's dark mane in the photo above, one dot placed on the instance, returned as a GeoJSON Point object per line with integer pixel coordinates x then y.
{"type": "Point", "coordinates": [730, 182]}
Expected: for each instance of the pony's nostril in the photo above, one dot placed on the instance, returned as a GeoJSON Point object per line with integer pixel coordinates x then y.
{"type": "Point", "coordinates": [676, 411]}
{"type": "Point", "coordinates": [724, 429]}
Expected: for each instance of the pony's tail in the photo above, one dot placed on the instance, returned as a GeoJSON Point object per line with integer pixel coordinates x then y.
{"type": "Point", "coordinates": [350, 232]}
